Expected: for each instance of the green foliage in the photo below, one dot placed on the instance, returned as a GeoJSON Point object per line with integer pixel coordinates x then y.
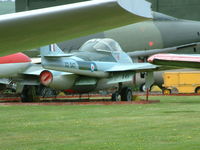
{"type": "Point", "coordinates": [172, 124]}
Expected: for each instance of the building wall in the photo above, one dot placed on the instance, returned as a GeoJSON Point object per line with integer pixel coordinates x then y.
{"type": "Point", "coordinates": [22, 5]}
{"type": "Point", "coordinates": [185, 9]}
{"type": "Point", "coordinates": [7, 7]}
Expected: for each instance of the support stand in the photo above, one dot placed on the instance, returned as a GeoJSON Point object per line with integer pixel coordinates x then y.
{"type": "Point", "coordinates": [149, 80]}
{"type": "Point", "coordinates": [147, 94]}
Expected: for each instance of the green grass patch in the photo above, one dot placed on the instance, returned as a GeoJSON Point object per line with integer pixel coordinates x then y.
{"type": "Point", "coordinates": [172, 124]}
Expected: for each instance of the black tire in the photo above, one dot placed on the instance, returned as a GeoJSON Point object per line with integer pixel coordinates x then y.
{"type": "Point", "coordinates": [115, 97]}
{"type": "Point", "coordinates": [166, 91]}
{"type": "Point", "coordinates": [29, 94]}
{"type": "Point", "coordinates": [47, 92]}
{"type": "Point", "coordinates": [143, 88]}
{"type": "Point", "coordinates": [197, 90]}
{"type": "Point", "coordinates": [126, 94]}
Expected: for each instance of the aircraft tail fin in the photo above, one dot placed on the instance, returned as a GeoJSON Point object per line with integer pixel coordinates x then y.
{"type": "Point", "coordinates": [50, 50]}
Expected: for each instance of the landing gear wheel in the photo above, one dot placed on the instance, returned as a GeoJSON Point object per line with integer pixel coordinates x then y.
{"type": "Point", "coordinates": [197, 91]}
{"type": "Point", "coordinates": [47, 92]}
{"type": "Point", "coordinates": [143, 88]}
{"type": "Point", "coordinates": [166, 91]}
{"type": "Point", "coordinates": [115, 97]}
{"type": "Point", "coordinates": [126, 94]}
{"type": "Point", "coordinates": [28, 94]}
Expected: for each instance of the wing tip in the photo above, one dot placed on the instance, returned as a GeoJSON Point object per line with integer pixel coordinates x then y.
{"type": "Point", "coordinates": [138, 7]}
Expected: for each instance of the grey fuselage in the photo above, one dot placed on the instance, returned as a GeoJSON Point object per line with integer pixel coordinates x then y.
{"type": "Point", "coordinates": [162, 32]}
{"type": "Point", "coordinates": [95, 66]}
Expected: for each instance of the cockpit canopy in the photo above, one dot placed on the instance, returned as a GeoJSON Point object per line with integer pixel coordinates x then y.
{"type": "Point", "coordinates": [101, 45]}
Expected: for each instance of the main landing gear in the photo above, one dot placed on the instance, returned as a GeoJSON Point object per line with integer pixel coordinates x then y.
{"type": "Point", "coordinates": [123, 94]}
{"type": "Point", "coordinates": [31, 93]}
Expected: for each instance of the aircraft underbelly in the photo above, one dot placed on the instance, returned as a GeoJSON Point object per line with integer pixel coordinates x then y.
{"type": "Point", "coordinates": [63, 82]}
{"type": "Point", "coordinates": [178, 32]}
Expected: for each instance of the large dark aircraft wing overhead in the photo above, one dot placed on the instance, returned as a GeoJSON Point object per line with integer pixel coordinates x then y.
{"type": "Point", "coordinates": [176, 60]}
{"type": "Point", "coordinates": [31, 29]}
{"type": "Point", "coordinates": [164, 50]}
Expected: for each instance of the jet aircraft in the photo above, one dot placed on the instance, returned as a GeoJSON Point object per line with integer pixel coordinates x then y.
{"type": "Point", "coordinates": [25, 76]}
{"type": "Point", "coordinates": [163, 34]}
{"type": "Point", "coordinates": [19, 70]}
{"type": "Point", "coordinates": [98, 64]}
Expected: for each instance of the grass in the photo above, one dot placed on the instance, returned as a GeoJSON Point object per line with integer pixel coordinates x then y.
{"type": "Point", "coordinates": [172, 124]}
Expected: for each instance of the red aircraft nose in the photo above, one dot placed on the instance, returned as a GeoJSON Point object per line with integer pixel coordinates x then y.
{"type": "Point", "coordinates": [15, 58]}
{"type": "Point", "coordinates": [13, 64]}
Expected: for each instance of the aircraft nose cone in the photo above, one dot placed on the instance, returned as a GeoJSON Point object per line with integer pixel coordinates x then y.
{"type": "Point", "coordinates": [15, 58]}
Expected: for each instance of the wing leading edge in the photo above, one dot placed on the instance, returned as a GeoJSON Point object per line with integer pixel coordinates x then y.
{"type": "Point", "coordinates": [164, 50]}
{"type": "Point", "coordinates": [176, 60]}
{"type": "Point", "coordinates": [26, 30]}
{"type": "Point", "coordinates": [137, 67]}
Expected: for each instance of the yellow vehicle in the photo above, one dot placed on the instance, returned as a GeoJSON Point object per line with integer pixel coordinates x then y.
{"type": "Point", "coordinates": [183, 82]}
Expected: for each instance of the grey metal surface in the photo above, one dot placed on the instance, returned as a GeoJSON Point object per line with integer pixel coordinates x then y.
{"type": "Point", "coordinates": [31, 29]}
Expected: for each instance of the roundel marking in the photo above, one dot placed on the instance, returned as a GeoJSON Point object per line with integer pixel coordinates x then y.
{"type": "Point", "coordinates": [92, 67]}
{"type": "Point", "coordinates": [151, 43]}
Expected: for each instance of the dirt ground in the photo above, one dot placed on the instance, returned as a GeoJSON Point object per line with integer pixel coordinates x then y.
{"type": "Point", "coordinates": [80, 103]}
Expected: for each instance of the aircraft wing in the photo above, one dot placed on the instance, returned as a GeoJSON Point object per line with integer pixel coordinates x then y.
{"type": "Point", "coordinates": [164, 50]}
{"type": "Point", "coordinates": [59, 55]}
{"type": "Point", "coordinates": [177, 60]}
{"type": "Point", "coordinates": [31, 75]}
{"type": "Point", "coordinates": [35, 70]}
{"type": "Point", "coordinates": [124, 73]}
{"type": "Point", "coordinates": [4, 81]}
{"type": "Point", "coordinates": [137, 67]}
{"type": "Point", "coordinates": [31, 29]}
